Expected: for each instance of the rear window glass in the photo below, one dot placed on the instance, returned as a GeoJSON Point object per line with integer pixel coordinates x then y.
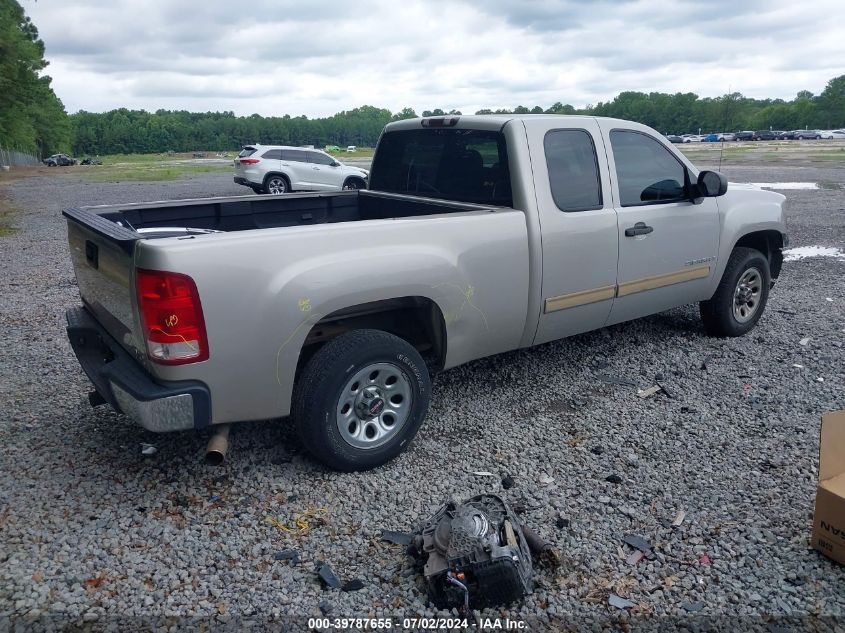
{"type": "Point", "coordinates": [461, 165]}
{"type": "Point", "coordinates": [247, 151]}
{"type": "Point", "coordinates": [295, 155]}
{"type": "Point", "coordinates": [573, 170]}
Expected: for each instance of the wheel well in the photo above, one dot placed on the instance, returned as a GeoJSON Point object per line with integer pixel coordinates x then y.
{"type": "Point", "coordinates": [277, 173]}
{"type": "Point", "coordinates": [358, 178]}
{"type": "Point", "coordinates": [770, 244]}
{"type": "Point", "coordinates": [417, 320]}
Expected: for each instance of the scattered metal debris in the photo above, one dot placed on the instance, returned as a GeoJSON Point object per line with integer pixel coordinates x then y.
{"type": "Point", "coordinates": [637, 542]}
{"type": "Point", "coordinates": [352, 585]}
{"type": "Point", "coordinates": [287, 554]}
{"type": "Point", "coordinates": [483, 473]}
{"type": "Point", "coordinates": [634, 557]}
{"type": "Point", "coordinates": [645, 393]}
{"type": "Point", "coordinates": [148, 450]}
{"type": "Point", "coordinates": [616, 380]}
{"type": "Point", "coordinates": [326, 575]}
{"type": "Point", "coordinates": [620, 603]}
{"type": "Point", "coordinates": [679, 518]}
{"type": "Point", "coordinates": [541, 549]}
{"type": "Point", "coordinates": [805, 341]}
{"type": "Point", "coordinates": [398, 538]}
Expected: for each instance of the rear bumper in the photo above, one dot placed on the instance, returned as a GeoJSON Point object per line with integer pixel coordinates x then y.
{"type": "Point", "coordinates": [128, 388]}
{"type": "Point", "coordinates": [245, 181]}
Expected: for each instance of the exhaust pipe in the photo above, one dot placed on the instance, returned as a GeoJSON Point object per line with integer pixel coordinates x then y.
{"type": "Point", "coordinates": [218, 445]}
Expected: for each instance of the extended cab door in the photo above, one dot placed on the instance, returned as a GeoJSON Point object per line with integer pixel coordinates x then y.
{"type": "Point", "coordinates": [578, 226]}
{"type": "Point", "coordinates": [667, 242]}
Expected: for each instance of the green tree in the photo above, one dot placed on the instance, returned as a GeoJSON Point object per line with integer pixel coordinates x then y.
{"type": "Point", "coordinates": [31, 116]}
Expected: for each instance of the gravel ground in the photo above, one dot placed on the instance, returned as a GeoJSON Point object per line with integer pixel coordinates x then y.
{"type": "Point", "coordinates": [91, 529]}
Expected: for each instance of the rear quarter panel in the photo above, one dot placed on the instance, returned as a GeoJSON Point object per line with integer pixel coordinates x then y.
{"type": "Point", "coordinates": [262, 291]}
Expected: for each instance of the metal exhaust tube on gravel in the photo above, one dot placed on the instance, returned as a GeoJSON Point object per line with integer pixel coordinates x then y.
{"type": "Point", "coordinates": [218, 445]}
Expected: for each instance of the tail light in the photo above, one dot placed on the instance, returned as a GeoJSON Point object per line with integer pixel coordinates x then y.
{"type": "Point", "coordinates": [250, 161]}
{"type": "Point", "coordinates": [171, 317]}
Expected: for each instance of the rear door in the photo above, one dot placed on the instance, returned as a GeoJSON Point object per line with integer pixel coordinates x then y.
{"type": "Point", "coordinates": [578, 226]}
{"type": "Point", "coordinates": [667, 242]}
{"type": "Point", "coordinates": [295, 165]}
{"type": "Point", "coordinates": [324, 175]}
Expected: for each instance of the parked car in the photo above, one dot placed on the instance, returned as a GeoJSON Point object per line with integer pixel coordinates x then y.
{"type": "Point", "coordinates": [785, 136]}
{"type": "Point", "coordinates": [800, 135]}
{"type": "Point", "coordinates": [351, 148]}
{"type": "Point", "coordinates": [59, 160]}
{"type": "Point", "coordinates": [832, 134]}
{"type": "Point", "coordinates": [478, 235]}
{"type": "Point", "coordinates": [727, 136]}
{"type": "Point", "coordinates": [692, 138]}
{"type": "Point", "coordinates": [280, 169]}
{"type": "Point", "coordinates": [674, 138]}
{"type": "Point", "coordinates": [745, 135]}
{"type": "Point", "coordinates": [764, 135]}
{"type": "Point", "coordinates": [711, 138]}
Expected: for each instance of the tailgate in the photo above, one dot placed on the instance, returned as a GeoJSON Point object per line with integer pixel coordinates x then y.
{"type": "Point", "coordinates": [103, 260]}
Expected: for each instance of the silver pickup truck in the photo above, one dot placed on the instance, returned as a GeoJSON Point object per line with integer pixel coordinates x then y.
{"type": "Point", "coordinates": [478, 235]}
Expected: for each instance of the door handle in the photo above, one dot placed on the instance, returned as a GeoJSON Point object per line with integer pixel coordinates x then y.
{"type": "Point", "coordinates": [639, 228]}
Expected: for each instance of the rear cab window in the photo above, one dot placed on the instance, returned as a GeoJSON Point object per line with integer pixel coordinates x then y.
{"type": "Point", "coordinates": [573, 170]}
{"type": "Point", "coordinates": [453, 164]}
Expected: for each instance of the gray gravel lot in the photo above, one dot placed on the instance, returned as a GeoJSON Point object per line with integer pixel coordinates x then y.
{"type": "Point", "coordinates": [91, 529]}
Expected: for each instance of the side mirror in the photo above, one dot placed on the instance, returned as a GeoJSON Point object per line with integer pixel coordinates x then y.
{"type": "Point", "coordinates": [335, 163]}
{"type": "Point", "coordinates": [711, 184]}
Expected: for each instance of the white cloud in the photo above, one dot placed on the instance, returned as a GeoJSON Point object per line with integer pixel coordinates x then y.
{"type": "Point", "coordinates": [317, 58]}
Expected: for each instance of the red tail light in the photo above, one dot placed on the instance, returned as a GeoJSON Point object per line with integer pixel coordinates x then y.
{"type": "Point", "coordinates": [171, 317]}
{"type": "Point", "coordinates": [250, 161]}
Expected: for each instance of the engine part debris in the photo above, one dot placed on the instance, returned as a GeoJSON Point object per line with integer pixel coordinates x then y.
{"type": "Point", "coordinates": [398, 538]}
{"type": "Point", "coordinates": [541, 549]}
{"type": "Point", "coordinates": [326, 575]}
{"type": "Point", "coordinates": [645, 393]}
{"type": "Point", "coordinates": [475, 554]}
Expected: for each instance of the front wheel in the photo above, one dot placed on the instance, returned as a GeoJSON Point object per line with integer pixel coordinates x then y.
{"type": "Point", "coordinates": [353, 184]}
{"type": "Point", "coordinates": [361, 400]}
{"type": "Point", "coordinates": [741, 297]}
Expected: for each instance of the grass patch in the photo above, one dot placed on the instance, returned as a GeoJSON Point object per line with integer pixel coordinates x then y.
{"type": "Point", "coordinates": [147, 172]}
{"type": "Point", "coordinates": [7, 211]}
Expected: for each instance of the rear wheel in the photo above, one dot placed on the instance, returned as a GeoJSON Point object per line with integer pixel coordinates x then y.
{"type": "Point", "coordinates": [741, 297]}
{"type": "Point", "coordinates": [275, 184]}
{"type": "Point", "coordinates": [353, 184]}
{"type": "Point", "coordinates": [361, 399]}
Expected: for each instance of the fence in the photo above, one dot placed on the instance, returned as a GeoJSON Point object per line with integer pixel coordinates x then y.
{"type": "Point", "coordinates": [16, 158]}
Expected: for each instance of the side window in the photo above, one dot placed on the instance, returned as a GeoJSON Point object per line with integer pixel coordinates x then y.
{"type": "Point", "coordinates": [272, 154]}
{"type": "Point", "coordinates": [294, 155]}
{"type": "Point", "coordinates": [319, 159]}
{"type": "Point", "coordinates": [646, 171]}
{"type": "Point", "coordinates": [573, 170]}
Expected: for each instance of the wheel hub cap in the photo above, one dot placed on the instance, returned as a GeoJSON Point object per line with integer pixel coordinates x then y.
{"type": "Point", "coordinates": [374, 405]}
{"type": "Point", "coordinates": [747, 295]}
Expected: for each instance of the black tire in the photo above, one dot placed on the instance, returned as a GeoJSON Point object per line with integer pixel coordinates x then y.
{"type": "Point", "coordinates": [718, 313]}
{"type": "Point", "coordinates": [317, 394]}
{"type": "Point", "coordinates": [276, 184]}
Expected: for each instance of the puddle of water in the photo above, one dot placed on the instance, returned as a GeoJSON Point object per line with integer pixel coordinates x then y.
{"type": "Point", "coordinates": [803, 252]}
{"type": "Point", "coordinates": [787, 185]}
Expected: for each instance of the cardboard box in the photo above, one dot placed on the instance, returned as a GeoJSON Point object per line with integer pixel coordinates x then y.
{"type": "Point", "coordinates": [829, 518]}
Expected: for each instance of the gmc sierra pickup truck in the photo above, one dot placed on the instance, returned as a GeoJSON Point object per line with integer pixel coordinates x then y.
{"type": "Point", "coordinates": [478, 235]}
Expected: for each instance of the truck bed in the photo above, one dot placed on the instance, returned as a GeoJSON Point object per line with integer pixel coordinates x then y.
{"type": "Point", "coordinates": [125, 224]}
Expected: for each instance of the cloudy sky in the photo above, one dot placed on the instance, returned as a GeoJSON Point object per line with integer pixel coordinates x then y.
{"type": "Point", "coordinates": [317, 57]}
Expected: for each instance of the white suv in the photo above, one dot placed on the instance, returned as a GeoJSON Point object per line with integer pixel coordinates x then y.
{"type": "Point", "coordinates": [278, 169]}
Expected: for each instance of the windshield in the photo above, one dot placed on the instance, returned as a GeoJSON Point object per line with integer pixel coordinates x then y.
{"type": "Point", "coordinates": [455, 164]}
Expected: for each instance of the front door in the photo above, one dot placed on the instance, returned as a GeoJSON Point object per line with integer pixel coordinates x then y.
{"type": "Point", "coordinates": [578, 226]}
{"type": "Point", "coordinates": [324, 175]}
{"type": "Point", "coordinates": [668, 243]}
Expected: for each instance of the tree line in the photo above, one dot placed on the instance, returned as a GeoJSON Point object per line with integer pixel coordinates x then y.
{"type": "Point", "coordinates": [32, 119]}
{"type": "Point", "coordinates": [127, 131]}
